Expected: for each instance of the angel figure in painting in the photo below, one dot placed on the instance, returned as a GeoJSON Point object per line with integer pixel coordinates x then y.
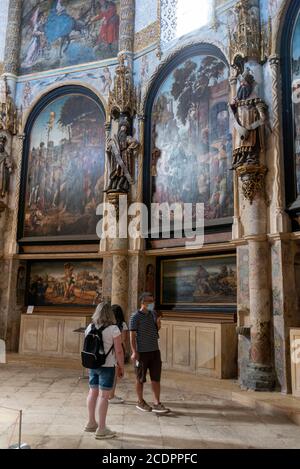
{"type": "Point", "coordinates": [38, 40]}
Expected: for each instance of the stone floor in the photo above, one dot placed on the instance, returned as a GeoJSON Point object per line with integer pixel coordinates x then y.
{"type": "Point", "coordinates": [54, 413]}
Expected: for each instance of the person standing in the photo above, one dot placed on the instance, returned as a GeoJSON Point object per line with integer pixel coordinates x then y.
{"type": "Point", "coordinates": [101, 381]}
{"type": "Point", "coordinates": [144, 326]}
{"type": "Point", "coordinates": [121, 323]}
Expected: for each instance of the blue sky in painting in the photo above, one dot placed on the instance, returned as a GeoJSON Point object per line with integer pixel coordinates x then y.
{"type": "Point", "coordinates": [40, 128]}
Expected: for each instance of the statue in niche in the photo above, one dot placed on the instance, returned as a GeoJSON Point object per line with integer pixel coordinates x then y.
{"type": "Point", "coordinates": [250, 117]}
{"type": "Point", "coordinates": [121, 150]}
{"type": "Point", "coordinates": [6, 167]}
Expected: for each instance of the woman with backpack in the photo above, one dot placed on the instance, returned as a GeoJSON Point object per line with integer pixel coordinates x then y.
{"type": "Point", "coordinates": [120, 320]}
{"type": "Point", "coordinates": [101, 380]}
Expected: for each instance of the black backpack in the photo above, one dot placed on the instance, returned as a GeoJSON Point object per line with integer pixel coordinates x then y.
{"type": "Point", "coordinates": [92, 355]}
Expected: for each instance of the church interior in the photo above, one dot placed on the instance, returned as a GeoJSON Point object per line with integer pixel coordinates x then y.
{"type": "Point", "coordinates": [176, 124]}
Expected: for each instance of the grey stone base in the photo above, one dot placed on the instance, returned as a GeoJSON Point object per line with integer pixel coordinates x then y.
{"type": "Point", "coordinates": [259, 378]}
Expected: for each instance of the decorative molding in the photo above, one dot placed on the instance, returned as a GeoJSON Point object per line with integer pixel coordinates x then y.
{"type": "Point", "coordinates": [10, 119]}
{"type": "Point", "coordinates": [146, 36]}
{"type": "Point", "coordinates": [246, 41]}
{"type": "Point", "coordinates": [168, 21]}
{"type": "Point", "coordinates": [253, 180]}
{"type": "Point", "coordinates": [19, 154]}
{"type": "Point", "coordinates": [122, 99]}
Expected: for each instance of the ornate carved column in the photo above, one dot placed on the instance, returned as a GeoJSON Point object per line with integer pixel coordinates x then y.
{"type": "Point", "coordinates": [122, 149]}
{"type": "Point", "coordinates": [280, 222]}
{"type": "Point", "coordinates": [127, 18]}
{"type": "Point", "coordinates": [12, 44]}
{"type": "Point", "coordinates": [249, 113]}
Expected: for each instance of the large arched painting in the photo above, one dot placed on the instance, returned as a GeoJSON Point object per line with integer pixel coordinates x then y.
{"type": "Point", "coordinates": [296, 98]}
{"type": "Point", "coordinates": [65, 172]}
{"type": "Point", "coordinates": [191, 139]}
{"type": "Point", "coordinates": [60, 33]}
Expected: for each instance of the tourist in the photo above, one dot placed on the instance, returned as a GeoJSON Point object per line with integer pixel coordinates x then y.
{"type": "Point", "coordinates": [144, 327]}
{"type": "Point", "coordinates": [102, 380]}
{"type": "Point", "coordinates": [120, 321]}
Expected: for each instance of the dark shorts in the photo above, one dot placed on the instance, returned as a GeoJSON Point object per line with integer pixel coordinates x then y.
{"type": "Point", "coordinates": [149, 361]}
{"type": "Point", "coordinates": [102, 378]}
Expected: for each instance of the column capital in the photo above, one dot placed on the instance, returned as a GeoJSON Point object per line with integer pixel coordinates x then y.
{"type": "Point", "coordinates": [274, 60]}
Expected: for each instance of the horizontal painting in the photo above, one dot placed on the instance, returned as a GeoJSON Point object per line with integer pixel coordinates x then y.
{"type": "Point", "coordinates": [191, 138]}
{"type": "Point", "coordinates": [77, 283]}
{"type": "Point", "coordinates": [65, 175]}
{"type": "Point", "coordinates": [61, 33]}
{"type": "Point", "coordinates": [199, 281]}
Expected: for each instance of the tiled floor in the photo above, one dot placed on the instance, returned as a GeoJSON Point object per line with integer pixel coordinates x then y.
{"type": "Point", "coordinates": [54, 414]}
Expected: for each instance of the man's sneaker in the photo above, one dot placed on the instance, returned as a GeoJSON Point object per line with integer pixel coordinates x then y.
{"type": "Point", "coordinates": [104, 434]}
{"type": "Point", "coordinates": [160, 409]}
{"type": "Point", "coordinates": [143, 406]}
{"type": "Point", "coordinates": [116, 400]}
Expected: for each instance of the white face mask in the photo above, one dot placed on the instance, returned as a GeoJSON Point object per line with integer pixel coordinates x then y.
{"type": "Point", "coordinates": [150, 307]}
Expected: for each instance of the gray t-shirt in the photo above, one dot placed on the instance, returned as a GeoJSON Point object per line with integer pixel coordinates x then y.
{"type": "Point", "coordinates": [144, 324]}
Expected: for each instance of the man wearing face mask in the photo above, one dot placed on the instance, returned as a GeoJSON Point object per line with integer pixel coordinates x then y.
{"type": "Point", "coordinates": [144, 326]}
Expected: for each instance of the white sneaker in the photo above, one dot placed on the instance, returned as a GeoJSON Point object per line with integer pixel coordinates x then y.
{"type": "Point", "coordinates": [116, 400]}
{"type": "Point", "coordinates": [104, 434]}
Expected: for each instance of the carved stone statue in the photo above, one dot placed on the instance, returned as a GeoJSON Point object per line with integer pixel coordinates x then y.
{"type": "Point", "coordinates": [122, 149]}
{"type": "Point", "coordinates": [6, 167]}
{"type": "Point", "coordinates": [250, 117]}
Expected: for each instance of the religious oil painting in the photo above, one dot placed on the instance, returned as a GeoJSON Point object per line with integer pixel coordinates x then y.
{"type": "Point", "coordinates": [191, 138]}
{"type": "Point", "coordinates": [65, 176]}
{"type": "Point", "coordinates": [54, 283]}
{"type": "Point", "coordinates": [199, 281]}
{"type": "Point", "coordinates": [296, 98]}
{"type": "Point", "coordinates": [61, 33]}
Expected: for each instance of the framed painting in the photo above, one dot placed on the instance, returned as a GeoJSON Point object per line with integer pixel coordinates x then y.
{"type": "Point", "coordinates": [63, 170]}
{"type": "Point", "coordinates": [290, 70]}
{"type": "Point", "coordinates": [198, 283]}
{"type": "Point", "coordinates": [189, 160]}
{"type": "Point", "coordinates": [61, 33]}
{"type": "Point", "coordinates": [64, 283]}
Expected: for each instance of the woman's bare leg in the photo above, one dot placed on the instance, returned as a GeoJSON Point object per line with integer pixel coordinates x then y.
{"type": "Point", "coordinates": [91, 405]}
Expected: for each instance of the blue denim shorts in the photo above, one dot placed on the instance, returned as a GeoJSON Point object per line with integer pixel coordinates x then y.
{"type": "Point", "coordinates": [102, 378]}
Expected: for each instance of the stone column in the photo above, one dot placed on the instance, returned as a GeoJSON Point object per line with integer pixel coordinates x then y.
{"type": "Point", "coordinates": [127, 17]}
{"type": "Point", "coordinates": [12, 44]}
{"type": "Point", "coordinates": [119, 290]}
{"type": "Point", "coordinates": [260, 375]}
{"type": "Point", "coordinates": [285, 308]}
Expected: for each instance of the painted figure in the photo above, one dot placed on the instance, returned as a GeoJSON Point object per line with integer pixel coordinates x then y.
{"type": "Point", "coordinates": [38, 41]}
{"type": "Point", "coordinates": [109, 23]}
